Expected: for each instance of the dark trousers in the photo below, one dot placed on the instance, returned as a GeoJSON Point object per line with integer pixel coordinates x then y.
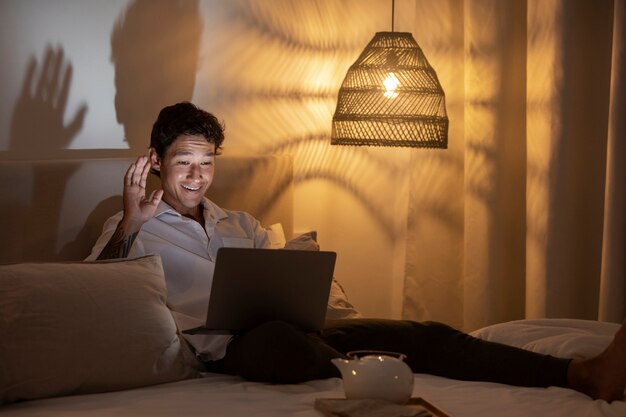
{"type": "Point", "coordinates": [277, 352]}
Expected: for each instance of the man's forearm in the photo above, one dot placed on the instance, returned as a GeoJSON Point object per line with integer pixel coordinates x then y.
{"type": "Point", "coordinates": [119, 245]}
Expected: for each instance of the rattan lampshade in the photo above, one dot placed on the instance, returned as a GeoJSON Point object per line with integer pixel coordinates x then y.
{"type": "Point", "coordinates": [391, 96]}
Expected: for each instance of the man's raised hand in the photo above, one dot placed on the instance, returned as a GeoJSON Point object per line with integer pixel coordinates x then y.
{"type": "Point", "coordinates": [137, 208]}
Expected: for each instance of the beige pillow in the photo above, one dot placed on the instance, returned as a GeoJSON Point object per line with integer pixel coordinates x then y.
{"type": "Point", "coordinates": [338, 305]}
{"type": "Point", "coordinates": [84, 327]}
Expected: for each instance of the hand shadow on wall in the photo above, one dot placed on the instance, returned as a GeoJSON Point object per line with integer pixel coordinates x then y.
{"type": "Point", "coordinates": [38, 126]}
{"type": "Point", "coordinates": [154, 48]}
{"type": "Point", "coordinates": [38, 130]}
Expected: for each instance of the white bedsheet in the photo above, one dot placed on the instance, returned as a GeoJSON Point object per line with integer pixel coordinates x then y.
{"type": "Point", "coordinates": [220, 395]}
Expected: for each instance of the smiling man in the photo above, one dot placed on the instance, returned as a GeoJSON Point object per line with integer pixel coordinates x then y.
{"type": "Point", "coordinates": [178, 221]}
{"type": "Point", "coordinates": [186, 229]}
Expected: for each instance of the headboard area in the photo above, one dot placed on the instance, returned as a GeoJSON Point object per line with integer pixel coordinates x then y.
{"type": "Point", "coordinates": [54, 210]}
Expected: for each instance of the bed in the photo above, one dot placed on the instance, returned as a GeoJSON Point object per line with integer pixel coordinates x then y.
{"type": "Point", "coordinates": [51, 220]}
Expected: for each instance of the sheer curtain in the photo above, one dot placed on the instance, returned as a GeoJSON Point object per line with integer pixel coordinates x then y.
{"type": "Point", "coordinates": [524, 215]}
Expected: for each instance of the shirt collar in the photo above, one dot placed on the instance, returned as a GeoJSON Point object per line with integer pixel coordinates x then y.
{"type": "Point", "coordinates": [212, 212]}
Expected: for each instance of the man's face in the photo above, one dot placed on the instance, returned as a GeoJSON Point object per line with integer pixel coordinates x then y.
{"type": "Point", "coordinates": [186, 172]}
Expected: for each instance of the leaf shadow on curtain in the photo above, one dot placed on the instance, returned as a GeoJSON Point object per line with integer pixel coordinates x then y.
{"type": "Point", "coordinates": [530, 126]}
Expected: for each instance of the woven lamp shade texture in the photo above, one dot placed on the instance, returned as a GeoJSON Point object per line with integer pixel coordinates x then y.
{"type": "Point", "coordinates": [414, 116]}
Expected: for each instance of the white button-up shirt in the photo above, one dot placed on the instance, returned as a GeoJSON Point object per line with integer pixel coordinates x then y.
{"type": "Point", "coordinates": [188, 254]}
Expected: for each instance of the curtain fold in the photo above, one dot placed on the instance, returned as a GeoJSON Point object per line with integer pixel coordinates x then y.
{"type": "Point", "coordinates": [523, 215]}
{"type": "Point", "coordinates": [613, 283]}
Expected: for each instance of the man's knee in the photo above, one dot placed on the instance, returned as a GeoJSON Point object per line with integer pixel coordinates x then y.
{"type": "Point", "coordinates": [275, 352]}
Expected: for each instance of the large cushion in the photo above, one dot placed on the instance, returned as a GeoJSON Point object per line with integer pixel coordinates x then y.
{"type": "Point", "coordinates": [84, 327]}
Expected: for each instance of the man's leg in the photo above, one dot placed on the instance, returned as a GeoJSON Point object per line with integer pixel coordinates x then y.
{"type": "Point", "coordinates": [277, 352]}
{"type": "Point", "coordinates": [437, 349]}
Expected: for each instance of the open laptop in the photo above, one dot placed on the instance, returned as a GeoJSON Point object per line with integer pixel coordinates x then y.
{"type": "Point", "coordinates": [253, 286]}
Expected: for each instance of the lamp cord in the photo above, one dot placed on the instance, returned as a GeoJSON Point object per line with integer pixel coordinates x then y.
{"type": "Point", "coordinates": [393, 3]}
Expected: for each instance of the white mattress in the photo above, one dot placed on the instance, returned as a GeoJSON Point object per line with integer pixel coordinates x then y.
{"type": "Point", "coordinates": [220, 395]}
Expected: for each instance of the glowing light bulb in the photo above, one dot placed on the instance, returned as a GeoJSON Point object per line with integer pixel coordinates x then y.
{"type": "Point", "coordinates": [391, 83]}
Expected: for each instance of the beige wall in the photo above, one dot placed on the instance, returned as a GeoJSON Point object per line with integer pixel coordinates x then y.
{"type": "Point", "coordinates": [269, 69]}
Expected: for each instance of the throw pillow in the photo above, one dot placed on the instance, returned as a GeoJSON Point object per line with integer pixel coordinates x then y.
{"type": "Point", "coordinates": [85, 327]}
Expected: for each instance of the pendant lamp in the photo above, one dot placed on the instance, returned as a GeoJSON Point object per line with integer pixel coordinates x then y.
{"type": "Point", "coordinates": [391, 96]}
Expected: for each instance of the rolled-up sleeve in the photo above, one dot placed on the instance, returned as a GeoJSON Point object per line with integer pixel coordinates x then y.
{"type": "Point", "coordinates": [107, 231]}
